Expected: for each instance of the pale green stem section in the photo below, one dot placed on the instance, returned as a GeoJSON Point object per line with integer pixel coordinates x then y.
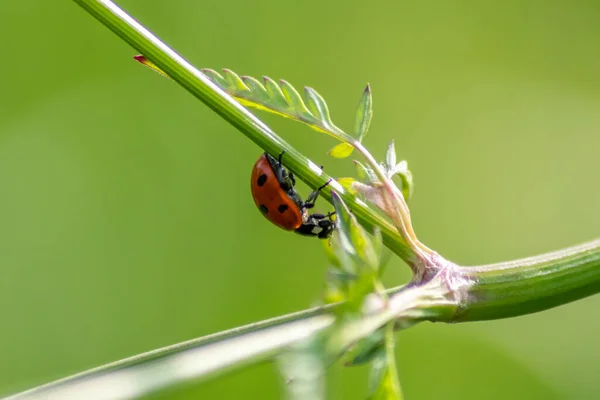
{"type": "Point", "coordinates": [206, 357]}
{"type": "Point", "coordinates": [457, 294]}
{"type": "Point", "coordinates": [198, 359]}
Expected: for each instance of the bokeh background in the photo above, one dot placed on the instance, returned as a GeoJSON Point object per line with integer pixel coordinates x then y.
{"type": "Point", "coordinates": [126, 221]}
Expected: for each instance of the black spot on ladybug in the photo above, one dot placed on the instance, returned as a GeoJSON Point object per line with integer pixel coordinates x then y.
{"type": "Point", "coordinates": [282, 208]}
{"type": "Point", "coordinates": [261, 181]}
{"type": "Point", "coordinates": [263, 208]}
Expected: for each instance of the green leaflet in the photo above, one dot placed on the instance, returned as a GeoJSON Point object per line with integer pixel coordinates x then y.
{"type": "Point", "coordinates": [364, 114]}
{"type": "Point", "coordinates": [401, 169]}
{"type": "Point", "coordinates": [284, 100]}
{"type": "Point", "coordinates": [346, 183]}
{"type": "Point", "coordinates": [341, 150]}
{"type": "Point", "coordinates": [279, 98]}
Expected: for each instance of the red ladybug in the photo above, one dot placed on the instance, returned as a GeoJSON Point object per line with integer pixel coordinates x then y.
{"type": "Point", "coordinates": [274, 194]}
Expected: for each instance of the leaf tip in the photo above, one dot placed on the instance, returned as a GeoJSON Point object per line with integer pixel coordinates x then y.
{"type": "Point", "coordinates": [140, 58]}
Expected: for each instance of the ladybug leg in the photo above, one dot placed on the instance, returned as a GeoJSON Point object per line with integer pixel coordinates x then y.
{"type": "Point", "coordinates": [319, 225]}
{"type": "Point", "coordinates": [286, 178]}
{"type": "Point", "coordinates": [292, 178]}
{"type": "Point", "coordinates": [312, 197]}
{"type": "Point", "coordinates": [307, 229]}
{"type": "Point", "coordinates": [328, 227]}
{"type": "Point", "coordinates": [285, 173]}
{"type": "Point", "coordinates": [322, 219]}
{"type": "Point", "coordinates": [280, 157]}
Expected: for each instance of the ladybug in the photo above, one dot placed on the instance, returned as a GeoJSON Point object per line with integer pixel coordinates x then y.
{"type": "Point", "coordinates": [273, 191]}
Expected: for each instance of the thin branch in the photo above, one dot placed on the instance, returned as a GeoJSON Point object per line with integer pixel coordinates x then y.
{"type": "Point", "coordinates": [197, 359]}
{"type": "Point", "coordinates": [213, 355]}
{"type": "Point", "coordinates": [457, 294]}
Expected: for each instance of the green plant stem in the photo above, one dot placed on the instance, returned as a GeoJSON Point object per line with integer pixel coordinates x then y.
{"type": "Point", "coordinates": [460, 294]}
{"type": "Point", "coordinates": [197, 359]}
{"type": "Point", "coordinates": [201, 87]}
{"type": "Point", "coordinates": [532, 284]}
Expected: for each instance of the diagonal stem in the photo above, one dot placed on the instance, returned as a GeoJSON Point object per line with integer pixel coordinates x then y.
{"type": "Point", "coordinates": [202, 88]}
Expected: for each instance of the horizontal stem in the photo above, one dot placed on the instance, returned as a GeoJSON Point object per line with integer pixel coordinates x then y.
{"type": "Point", "coordinates": [201, 87]}
{"type": "Point", "coordinates": [206, 357]}
{"type": "Point", "coordinates": [532, 284]}
{"type": "Point", "coordinates": [493, 291]}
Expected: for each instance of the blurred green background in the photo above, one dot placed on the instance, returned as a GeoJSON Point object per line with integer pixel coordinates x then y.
{"type": "Point", "coordinates": [126, 221]}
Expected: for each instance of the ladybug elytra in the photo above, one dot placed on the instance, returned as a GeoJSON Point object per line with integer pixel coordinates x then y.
{"type": "Point", "coordinates": [274, 194]}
